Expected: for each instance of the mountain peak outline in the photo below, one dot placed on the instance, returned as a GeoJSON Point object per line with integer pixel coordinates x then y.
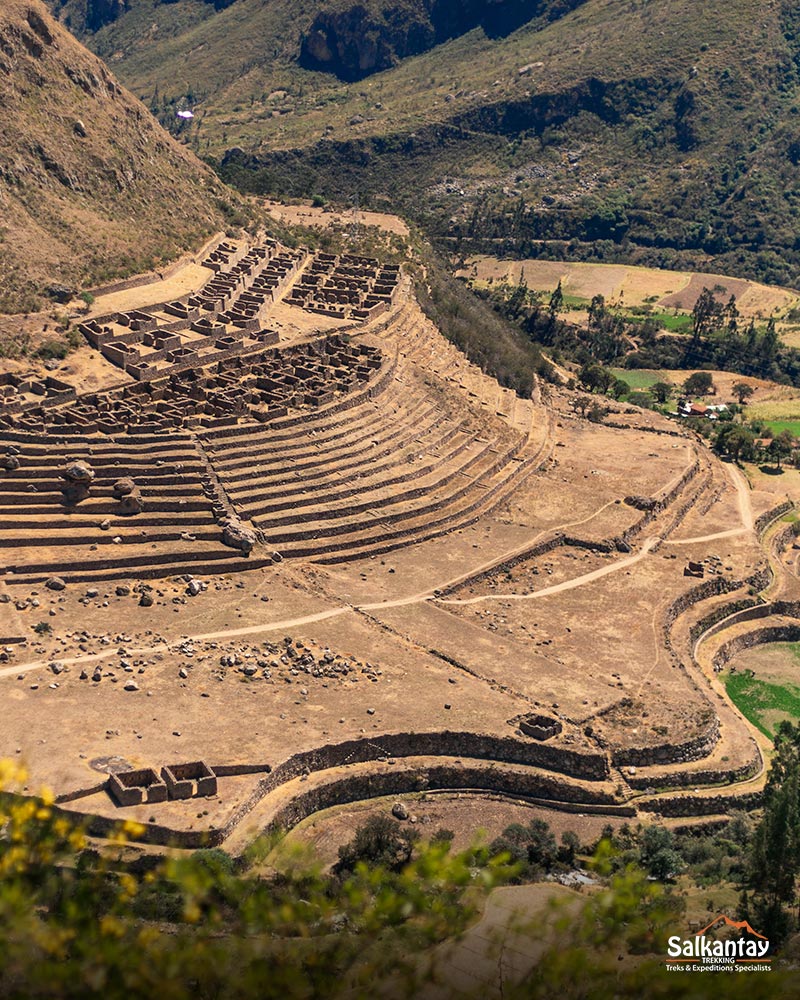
{"type": "Point", "coordinates": [739, 925]}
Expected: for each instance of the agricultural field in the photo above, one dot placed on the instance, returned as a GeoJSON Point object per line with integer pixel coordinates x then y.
{"type": "Point", "coordinates": [639, 378]}
{"type": "Point", "coordinates": [670, 294]}
{"type": "Point", "coordinates": [764, 684]}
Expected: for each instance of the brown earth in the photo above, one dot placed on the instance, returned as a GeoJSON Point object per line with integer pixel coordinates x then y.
{"type": "Point", "coordinates": [92, 186]}
{"type": "Point", "coordinates": [533, 605]}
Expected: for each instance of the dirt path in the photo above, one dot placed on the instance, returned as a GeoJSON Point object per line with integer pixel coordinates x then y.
{"type": "Point", "coordinates": [743, 495]}
{"type": "Point", "coordinates": [707, 538]}
{"type": "Point", "coordinates": [559, 588]}
{"type": "Point", "coordinates": [288, 624]}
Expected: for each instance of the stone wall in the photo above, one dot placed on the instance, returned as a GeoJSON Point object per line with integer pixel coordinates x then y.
{"type": "Point", "coordinates": [764, 520]}
{"type": "Point", "coordinates": [746, 609]}
{"type": "Point", "coordinates": [701, 776]}
{"type": "Point", "coordinates": [758, 637]}
{"type": "Point", "coordinates": [700, 805]}
{"type": "Point", "coordinates": [669, 752]}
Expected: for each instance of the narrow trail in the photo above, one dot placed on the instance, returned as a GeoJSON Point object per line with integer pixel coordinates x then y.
{"type": "Point", "coordinates": [559, 588]}
{"type": "Point", "coordinates": [290, 623]}
{"type": "Point", "coordinates": [742, 494]}
{"type": "Point", "coordinates": [730, 533]}
{"type": "Point", "coordinates": [418, 598]}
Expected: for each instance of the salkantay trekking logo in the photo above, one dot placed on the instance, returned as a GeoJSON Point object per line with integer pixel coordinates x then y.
{"type": "Point", "coordinates": [746, 953]}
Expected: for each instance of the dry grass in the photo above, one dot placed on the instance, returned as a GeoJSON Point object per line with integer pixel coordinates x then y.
{"type": "Point", "coordinates": [633, 286]}
{"type": "Point", "coordinates": [94, 187]}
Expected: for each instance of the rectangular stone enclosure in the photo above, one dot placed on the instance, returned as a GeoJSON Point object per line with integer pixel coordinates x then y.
{"type": "Point", "coordinates": [186, 781]}
{"type": "Point", "coordinates": [131, 788]}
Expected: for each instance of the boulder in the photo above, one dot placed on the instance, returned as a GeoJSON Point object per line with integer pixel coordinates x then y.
{"type": "Point", "coordinates": [10, 463]}
{"type": "Point", "coordinates": [236, 535]}
{"type": "Point", "coordinates": [79, 472]}
{"type": "Point", "coordinates": [55, 583]}
{"type": "Point", "coordinates": [122, 487]}
{"type": "Point", "coordinates": [60, 293]}
{"type": "Point", "coordinates": [146, 601]}
{"type": "Point", "coordinates": [400, 810]}
{"type": "Point", "coordinates": [132, 503]}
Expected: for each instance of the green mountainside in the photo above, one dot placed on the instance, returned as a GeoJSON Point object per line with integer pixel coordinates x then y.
{"type": "Point", "coordinates": [664, 132]}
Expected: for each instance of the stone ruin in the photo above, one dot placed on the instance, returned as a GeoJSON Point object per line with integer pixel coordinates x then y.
{"type": "Point", "coordinates": [188, 781]}
{"type": "Point", "coordinates": [223, 318]}
{"type": "Point", "coordinates": [132, 788]}
{"type": "Point", "coordinates": [261, 385]}
{"type": "Point", "coordinates": [177, 781]}
{"type": "Point", "coordinates": [346, 287]}
{"type": "Point", "coordinates": [539, 727]}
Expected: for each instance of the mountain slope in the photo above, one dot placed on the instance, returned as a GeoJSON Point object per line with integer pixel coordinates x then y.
{"type": "Point", "coordinates": [658, 131]}
{"type": "Point", "coordinates": [91, 186]}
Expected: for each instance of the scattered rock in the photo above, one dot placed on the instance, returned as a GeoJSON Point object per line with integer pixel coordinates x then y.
{"type": "Point", "coordinates": [400, 810]}
{"type": "Point", "coordinates": [122, 487]}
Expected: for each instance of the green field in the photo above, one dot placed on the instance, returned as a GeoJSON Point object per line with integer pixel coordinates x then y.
{"type": "Point", "coordinates": [570, 301]}
{"type": "Point", "coordinates": [757, 699]}
{"type": "Point", "coordinates": [676, 324]}
{"type": "Point", "coordinates": [638, 378]}
{"type": "Point", "coordinates": [776, 426]}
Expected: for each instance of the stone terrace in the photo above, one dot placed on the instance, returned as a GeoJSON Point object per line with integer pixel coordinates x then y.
{"type": "Point", "coordinates": [330, 449]}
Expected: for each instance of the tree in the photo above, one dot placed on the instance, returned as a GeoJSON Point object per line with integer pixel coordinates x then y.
{"type": "Point", "coordinates": [595, 378]}
{"type": "Point", "coordinates": [661, 391]}
{"type": "Point", "coordinates": [657, 853]}
{"type": "Point", "coordinates": [556, 301]}
{"type": "Point", "coordinates": [597, 413]}
{"type": "Point", "coordinates": [570, 845]}
{"type": "Point", "coordinates": [78, 923]}
{"type": "Point", "coordinates": [781, 446]}
{"type": "Point", "coordinates": [775, 853]}
{"type": "Point", "coordinates": [743, 391]}
{"type": "Point", "coordinates": [580, 404]}
{"type": "Point", "coordinates": [733, 439]}
{"type": "Point", "coordinates": [699, 384]}
{"type": "Point", "coordinates": [768, 346]}
{"type": "Point", "coordinates": [619, 388]}
{"type": "Point", "coordinates": [380, 840]}
{"type": "Point", "coordinates": [707, 316]}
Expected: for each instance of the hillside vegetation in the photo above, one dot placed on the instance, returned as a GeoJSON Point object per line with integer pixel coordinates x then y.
{"type": "Point", "coordinates": [663, 132]}
{"type": "Point", "coordinates": [91, 187]}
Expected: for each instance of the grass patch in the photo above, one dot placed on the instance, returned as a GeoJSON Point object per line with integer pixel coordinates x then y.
{"type": "Point", "coordinates": [776, 426]}
{"type": "Point", "coordinates": [639, 378]}
{"type": "Point", "coordinates": [675, 324]}
{"type": "Point", "coordinates": [756, 699]}
{"type": "Point", "coordinates": [570, 301]}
